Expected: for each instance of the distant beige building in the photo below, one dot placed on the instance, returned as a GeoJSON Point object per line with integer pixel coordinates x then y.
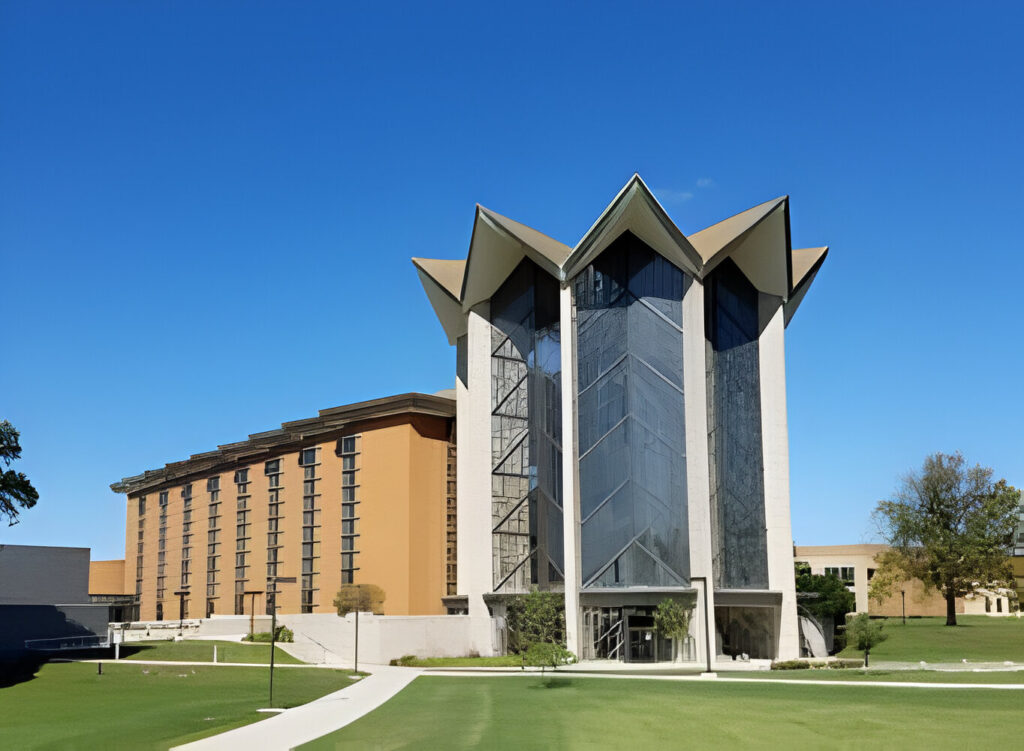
{"type": "Point", "coordinates": [363, 493]}
{"type": "Point", "coordinates": [856, 565]}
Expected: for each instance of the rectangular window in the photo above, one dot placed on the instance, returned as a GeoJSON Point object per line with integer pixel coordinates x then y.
{"type": "Point", "coordinates": [307, 534]}
{"type": "Point", "coordinates": [348, 478]}
{"type": "Point", "coordinates": [212, 549]}
{"type": "Point", "coordinates": [348, 495]}
{"type": "Point", "coordinates": [163, 497]}
{"type": "Point", "coordinates": [272, 467]}
{"type": "Point", "coordinates": [348, 511]}
{"type": "Point", "coordinates": [307, 517]}
{"type": "Point", "coordinates": [274, 481]}
{"type": "Point", "coordinates": [347, 560]}
{"type": "Point", "coordinates": [271, 539]}
{"type": "Point", "coordinates": [346, 576]}
{"type": "Point", "coordinates": [271, 569]}
{"type": "Point", "coordinates": [309, 473]}
{"type": "Point", "coordinates": [307, 550]}
{"type": "Point", "coordinates": [348, 543]}
{"type": "Point", "coordinates": [308, 502]}
{"type": "Point", "coordinates": [309, 487]}
{"type": "Point", "coordinates": [307, 457]}
{"type": "Point", "coordinates": [272, 524]}
{"type": "Point", "coordinates": [241, 476]}
{"type": "Point", "coordinates": [348, 444]}
{"type": "Point", "coordinates": [242, 504]}
{"type": "Point", "coordinates": [307, 565]}
{"type": "Point", "coordinates": [348, 462]}
{"type": "Point", "coordinates": [142, 505]}
{"type": "Point", "coordinates": [348, 527]}
{"type": "Point", "coordinates": [213, 522]}
{"type": "Point", "coordinates": [212, 484]}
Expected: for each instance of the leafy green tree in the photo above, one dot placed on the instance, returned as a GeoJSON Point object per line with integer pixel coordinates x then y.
{"type": "Point", "coordinates": [536, 618]}
{"type": "Point", "coordinates": [833, 599]}
{"type": "Point", "coordinates": [948, 525]}
{"type": "Point", "coordinates": [545, 655]}
{"type": "Point", "coordinates": [364, 598]}
{"type": "Point", "coordinates": [16, 492]}
{"type": "Point", "coordinates": [672, 620]}
{"type": "Point", "coordinates": [864, 633]}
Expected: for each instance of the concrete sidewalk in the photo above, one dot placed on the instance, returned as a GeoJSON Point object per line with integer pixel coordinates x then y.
{"type": "Point", "coordinates": [293, 727]}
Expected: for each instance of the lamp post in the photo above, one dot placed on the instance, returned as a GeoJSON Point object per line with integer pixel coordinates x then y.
{"type": "Point", "coordinates": [252, 609]}
{"type": "Point", "coordinates": [903, 598]}
{"type": "Point", "coordinates": [181, 609]}
{"type": "Point", "coordinates": [273, 581]}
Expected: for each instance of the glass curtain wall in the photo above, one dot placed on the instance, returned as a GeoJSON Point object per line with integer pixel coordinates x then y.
{"type": "Point", "coordinates": [632, 463]}
{"type": "Point", "coordinates": [739, 543]}
{"type": "Point", "coordinates": [526, 432]}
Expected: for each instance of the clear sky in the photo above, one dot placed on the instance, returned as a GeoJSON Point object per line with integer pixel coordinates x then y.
{"type": "Point", "coordinates": [207, 212]}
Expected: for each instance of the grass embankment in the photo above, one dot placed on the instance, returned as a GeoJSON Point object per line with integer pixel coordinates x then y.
{"type": "Point", "coordinates": [504, 661]}
{"type": "Point", "coordinates": [202, 651]}
{"type": "Point", "coordinates": [69, 706]}
{"type": "Point", "coordinates": [517, 713]}
{"type": "Point", "coordinates": [976, 638]}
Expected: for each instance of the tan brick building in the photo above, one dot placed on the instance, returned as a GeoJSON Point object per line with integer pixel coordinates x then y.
{"type": "Point", "coordinates": [363, 493]}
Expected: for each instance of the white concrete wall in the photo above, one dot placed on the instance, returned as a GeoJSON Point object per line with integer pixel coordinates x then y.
{"type": "Point", "coordinates": [323, 637]}
{"type": "Point", "coordinates": [570, 470]}
{"type": "Point", "coordinates": [775, 438]}
{"type": "Point", "coordinates": [698, 481]}
{"type": "Point", "coordinates": [473, 434]}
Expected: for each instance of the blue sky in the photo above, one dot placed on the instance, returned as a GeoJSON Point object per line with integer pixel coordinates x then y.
{"type": "Point", "coordinates": [207, 211]}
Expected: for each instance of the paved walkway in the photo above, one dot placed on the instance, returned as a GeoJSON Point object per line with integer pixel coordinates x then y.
{"type": "Point", "coordinates": [299, 725]}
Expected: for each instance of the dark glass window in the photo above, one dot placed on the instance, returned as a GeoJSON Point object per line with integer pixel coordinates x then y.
{"type": "Point", "coordinates": [307, 456]}
{"type": "Point", "coordinates": [142, 505]}
{"type": "Point", "coordinates": [348, 444]}
{"type": "Point", "coordinates": [736, 468]}
{"type": "Point", "coordinates": [272, 467]}
{"type": "Point", "coordinates": [213, 484]}
{"type": "Point", "coordinates": [242, 476]}
{"type": "Point", "coordinates": [632, 465]}
{"type": "Point", "coordinates": [526, 432]}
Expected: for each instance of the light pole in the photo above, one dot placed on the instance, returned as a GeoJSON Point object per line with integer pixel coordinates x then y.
{"type": "Point", "coordinates": [903, 598]}
{"type": "Point", "coordinates": [181, 609]}
{"type": "Point", "coordinates": [273, 581]}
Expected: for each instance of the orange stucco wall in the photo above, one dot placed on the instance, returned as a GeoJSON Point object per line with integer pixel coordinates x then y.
{"type": "Point", "coordinates": [401, 473]}
{"type": "Point", "coordinates": [107, 578]}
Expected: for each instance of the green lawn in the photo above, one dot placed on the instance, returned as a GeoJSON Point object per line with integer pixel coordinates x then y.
{"type": "Point", "coordinates": [587, 713]}
{"type": "Point", "coordinates": [505, 661]}
{"type": "Point", "coordinates": [977, 638]}
{"type": "Point", "coordinates": [883, 676]}
{"type": "Point", "coordinates": [69, 706]}
{"type": "Point", "coordinates": [202, 651]}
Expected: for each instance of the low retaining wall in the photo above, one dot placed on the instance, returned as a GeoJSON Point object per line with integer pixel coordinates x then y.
{"type": "Point", "coordinates": [382, 638]}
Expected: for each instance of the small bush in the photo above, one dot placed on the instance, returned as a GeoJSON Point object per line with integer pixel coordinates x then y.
{"type": "Point", "coordinates": [791, 665]}
{"type": "Point", "coordinates": [283, 634]}
{"type": "Point", "coordinates": [404, 661]}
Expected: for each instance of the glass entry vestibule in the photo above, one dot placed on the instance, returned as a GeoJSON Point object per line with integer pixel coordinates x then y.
{"type": "Point", "coordinates": [626, 634]}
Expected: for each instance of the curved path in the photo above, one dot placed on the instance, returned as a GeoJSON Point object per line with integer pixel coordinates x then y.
{"type": "Point", "coordinates": [296, 726]}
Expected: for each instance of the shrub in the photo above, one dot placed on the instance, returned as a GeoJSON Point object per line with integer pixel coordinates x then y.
{"type": "Point", "coordinates": [283, 634]}
{"type": "Point", "coordinates": [791, 665]}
